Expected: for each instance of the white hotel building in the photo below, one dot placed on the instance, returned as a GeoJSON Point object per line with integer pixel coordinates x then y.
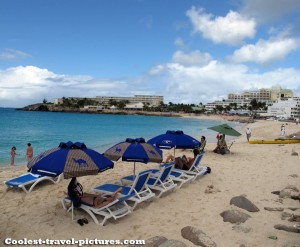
{"type": "Point", "coordinates": [289, 108]}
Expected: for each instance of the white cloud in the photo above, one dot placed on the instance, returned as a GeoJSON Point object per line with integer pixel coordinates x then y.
{"type": "Point", "coordinates": [11, 55]}
{"type": "Point", "coordinates": [179, 42]}
{"type": "Point", "coordinates": [206, 83]}
{"type": "Point", "coordinates": [156, 70]}
{"type": "Point", "coordinates": [191, 59]}
{"type": "Point", "coordinates": [264, 52]}
{"type": "Point", "coordinates": [20, 86]}
{"type": "Point", "coordinates": [270, 10]}
{"type": "Point", "coordinates": [231, 29]}
{"type": "Point", "coordinates": [215, 80]}
{"type": "Point", "coordinates": [31, 84]}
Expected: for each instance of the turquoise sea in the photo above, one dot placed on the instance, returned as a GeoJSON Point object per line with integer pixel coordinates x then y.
{"type": "Point", "coordinates": [45, 130]}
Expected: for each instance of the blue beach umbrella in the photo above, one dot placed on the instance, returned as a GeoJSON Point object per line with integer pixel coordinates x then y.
{"type": "Point", "coordinates": [174, 139]}
{"type": "Point", "coordinates": [72, 159]}
{"type": "Point", "coordinates": [134, 150]}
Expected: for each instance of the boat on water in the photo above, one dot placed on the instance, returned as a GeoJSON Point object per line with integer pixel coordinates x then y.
{"type": "Point", "coordinates": [275, 141]}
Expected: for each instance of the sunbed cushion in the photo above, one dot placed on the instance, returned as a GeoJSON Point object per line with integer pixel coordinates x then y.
{"type": "Point", "coordinates": [113, 188]}
{"type": "Point", "coordinates": [22, 179]}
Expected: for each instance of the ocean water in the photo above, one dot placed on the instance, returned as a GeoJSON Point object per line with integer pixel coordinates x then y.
{"type": "Point", "coordinates": [45, 130]}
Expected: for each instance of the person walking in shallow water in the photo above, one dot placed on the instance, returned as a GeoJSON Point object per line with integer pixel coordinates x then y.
{"type": "Point", "coordinates": [12, 155]}
{"type": "Point", "coordinates": [29, 152]}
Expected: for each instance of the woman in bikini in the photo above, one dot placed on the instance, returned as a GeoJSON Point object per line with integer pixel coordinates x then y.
{"type": "Point", "coordinates": [12, 155]}
{"type": "Point", "coordinates": [76, 194]}
{"type": "Point", "coordinates": [183, 162]}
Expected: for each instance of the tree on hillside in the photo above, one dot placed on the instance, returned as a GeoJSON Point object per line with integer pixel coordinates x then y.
{"type": "Point", "coordinates": [121, 104]}
{"type": "Point", "coordinates": [218, 109]}
{"type": "Point", "coordinates": [227, 108]}
{"type": "Point", "coordinates": [112, 102]}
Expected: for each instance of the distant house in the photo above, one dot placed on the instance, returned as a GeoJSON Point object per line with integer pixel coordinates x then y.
{"type": "Point", "coordinates": [135, 106]}
{"type": "Point", "coordinates": [239, 112]}
{"type": "Point", "coordinates": [93, 108]}
{"type": "Point", "coordinates": [198, 108]}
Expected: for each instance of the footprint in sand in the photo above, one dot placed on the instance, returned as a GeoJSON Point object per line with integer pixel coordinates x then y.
{"type": "Point", "coordinates": [135, 227]}
{"type": "Point", "coordinates": [194, 219]}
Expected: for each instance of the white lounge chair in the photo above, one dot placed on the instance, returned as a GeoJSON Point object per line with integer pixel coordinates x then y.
{"type": "Point", "coordinates": [29, 179]}
{"type": "Point", "coordinates": [178, 176]}
{"type": "Point", "coordinates": [159, 181]}
{"type": "Point", "coordinates": [138, 190]}
{"type": "Point", "coordinates": [116, 209]}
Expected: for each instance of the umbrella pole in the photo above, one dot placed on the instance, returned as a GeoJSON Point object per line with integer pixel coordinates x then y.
{"type": "Point", "coordinates": [133, 168]}
{"type": "Point", "coordinates": [174, 150]}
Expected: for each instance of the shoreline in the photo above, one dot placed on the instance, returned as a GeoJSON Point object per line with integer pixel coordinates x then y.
{"type": "Point", "coordinates": [52, 108]}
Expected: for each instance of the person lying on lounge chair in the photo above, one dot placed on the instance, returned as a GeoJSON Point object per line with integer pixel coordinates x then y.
{"type": "Point", "coordinates": [183, 162]}
{"type": "Point", "coordinates": [77, 196]}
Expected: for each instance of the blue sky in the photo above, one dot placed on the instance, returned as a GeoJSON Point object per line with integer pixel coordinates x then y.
{"type": "Point", "coordinates": [188, 51]}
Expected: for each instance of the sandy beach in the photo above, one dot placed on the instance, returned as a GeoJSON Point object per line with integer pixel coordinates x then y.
{"type": "Point", "coordinates": [253, 170]}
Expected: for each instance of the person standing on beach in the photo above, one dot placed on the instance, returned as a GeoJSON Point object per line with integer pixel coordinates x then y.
{"type": "Point", "coordinates": [12, 155]}
{"type": "Point", "coordinates": [282, 130]}
{"type": "Point", "coordinates": [29, 152]}
{"type": "Point", "coordinates": [248, 134]}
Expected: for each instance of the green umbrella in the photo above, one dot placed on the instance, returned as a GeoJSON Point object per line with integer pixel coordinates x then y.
{"type": "Point", "coordinates": [225, 129]}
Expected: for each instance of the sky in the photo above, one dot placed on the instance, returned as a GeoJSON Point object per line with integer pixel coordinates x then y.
{"type": "Point", "coordinates": [187, 51]}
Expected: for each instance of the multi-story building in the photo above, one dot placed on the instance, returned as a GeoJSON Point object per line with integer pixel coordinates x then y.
{"type": "Point", "coordinates": [285, 108]}
{"type": "Point", "coordinates": [261, 95]}
{"type": "Point", "coordinates": [277, 93]}
{"type": "Point", "coordinates": [238, 103]}
{"type": "Point", "coordinates": [150, 100]}
{"type": "Point", "coordinates": [59, 101]}
{"type": "Point", "coordinates": [264, 94]}
{"type": "Point", "coordinates": [105, 101]}
{"type": "Point", "coordinates": [241, 101]}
